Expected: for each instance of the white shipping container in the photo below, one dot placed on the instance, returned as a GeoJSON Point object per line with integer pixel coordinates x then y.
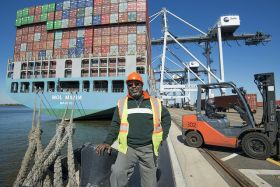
{"type": "Point", "coordinates": [37, 37]}
{"type": "Point", "coordinates": [131, 49]}
{"type": "Point", "coordinates": [114, 1]}
{"type": "Point", "coordinates": [49, 53]}
{"type": "Point", "coordinates": [72, 42]}
{"type": "Point", "coordinates": [132, 38]}
{"type": "Point", "coordinates": [23, 47]}
{"type": "Point", "coordinates": [124, 1]}
{"type": "Point", "coordinates": [114, 49]}
{"type": "Point", "coordinates": [88, 21]}
{"type": "Point", "coordinates": [29, 55]}
{"type": "Point", "coordinates": [81, 33]}
{"type": "Point", "coordinates": [57, 44]}
{"type": "Point", "coordinates": [58, 35]}
{"type": "Point", "coordinates": [141, 29]}
{"type": "Point", "coordinates": [88, 11]}
{"type": "Point", "coordinates": [123, 7]}
{"type": "Point", "coordinates": [66, 5]}
{"type": "Point", "coordinates": [114, 18]}
{"type": "Point", "coordinates": [64, 23]}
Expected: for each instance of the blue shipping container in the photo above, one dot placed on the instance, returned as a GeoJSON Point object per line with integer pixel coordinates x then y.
{"type": "Point", "coordinates": [42, 54]}
{"type": "Point", "coordinates": [80, 22]}
{"type": "Point", "coordinates": [72, 52]}
{"type": "Point", "coordinates": [88, 3]}
{"type": "Point", "coordinates": [80, 42]}
{"type": "Point", "coordinates": [73, 4]}
{"type": "Point", "coordinates": [65, 14]}
{"type": "Point", "coordinates": [59, 6]}
{"type": "Point", "coordinates": [96, 20]}
{"type": "Point", "coordinates": [79, 52]}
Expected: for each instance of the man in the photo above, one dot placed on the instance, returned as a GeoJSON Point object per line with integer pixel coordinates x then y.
{"type": "Point", "coordinates": [140, 123]}
{"type": "Point", "coordinates": [211, 110]}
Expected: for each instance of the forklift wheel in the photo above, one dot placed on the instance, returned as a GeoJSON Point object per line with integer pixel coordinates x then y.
{"type": "Point", "coordinates": [194, 139]}
{"type": "Point", "coordinates": [256, 145]}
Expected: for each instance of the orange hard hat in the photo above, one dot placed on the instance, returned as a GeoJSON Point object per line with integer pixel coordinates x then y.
{"type": "Point", "coordinates": [134, 77]}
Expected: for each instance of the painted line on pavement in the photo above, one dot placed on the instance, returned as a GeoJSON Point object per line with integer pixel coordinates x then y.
{"type": "Point", "coordinates": [229, 157]}
{"type": "Point", "coordinates": [273, 161]}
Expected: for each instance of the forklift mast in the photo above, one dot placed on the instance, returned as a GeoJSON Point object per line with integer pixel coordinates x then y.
{"type": "Point", "coordinates": [266, 85]}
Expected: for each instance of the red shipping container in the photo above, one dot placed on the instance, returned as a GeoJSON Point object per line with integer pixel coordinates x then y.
{"type": "Point", "coordinates": [56, 53]}
{"type": "Point", "coordinates": [31, 11]}
{"type": "Point", "coordinates": [114, 8]}
{"type": "Point", "coordinates": [123, 17]}
{"type": "Point", "coordinates": [30, 38]}
{"type": "Point", "coordinates": [72, 22]}
{"type": "Point", "coordinates": [36, 45]}
{"type": "Point", "coordinates": [114, 40]}
{"type": "Point", "coordinates": [24, 38]}
{"type": "Point", "coordinates": [131, 6]}
{"type": "Point", "coordinates": [37, 18]}
{"type": "Point", "coordinates": [97, 2]}
{"type": "Point", "coordinates": [44, 28]}
{"type": "Point", "coordinates": [44, 36]}
{"type": "Point", "coordinates": [105, 31]}
{"type": "Point", "coordinates": [97, 32]}
{"type": "Point", "coordinates": [123, 49]}
{"type": "Point", "coordinates": [25, 30]}
{"type": "Point", "coordinates": [22, 55]}
{"type": "Point", "coordinates": [65, 43]}
{"type": "Point", "coordinates": [38, 28]}
{"type": "Point", "coordinates": [58, 15]}
{"type": "Point", "coordinates": [50, 44]}
{"type": "Point", "coordinates": [141, 39]}
{"type": "Point", "coordinates": [105, 40]}
{"type": "Point", "coordinates": [106, 2]}
{"type": "Point", "coordinates": [87, 51]}
{"type": "Point", "coordinates": [73, 13]}
{"type": "Point", "coordinates": [132, 29]}
{"type": "Point", "coordinates": [19, 32]}
{"type": "Point", "coordinates": [97, 10]}
{"type": "Point", "coordinates": [96, 51]}
{"type": "Point", "coordinates": [64, 52]}
{"type": "Point", "coordinates": [97, 41]}
{"type": "Point", "coordinates": [106, 9]}
{"type": "Point", "coordinates": [17, 48]}
{"type": "Point", "coordinates": [51, 16]}
{"type": "Point", "coordinates": [105, 19]}
{"type": "Point", "coordinates": [252, 101]}
{"type": "Point", "coordinates": [50, 36]}
{"type": "Point", "coordinates": [141, 17]}
{"type": "Point", "coordinates": [278, 102]}
{"type": "Point", "coordinates": [141, 49]}
{"type": "Point", "coordinates": [43, 45]}
{"type": "Point", "coordinates": [114, 30]}
{"type": "Point", "coordinates": [123, 40]}
{"type": "Point", "coordinates": [38, 10]}
{"type": "Point", "coordinates": [88, 32]}
{"type": "Point", "coordinates": [29, 46]}
{"type": "Point", "coordinates": [105, 50]}
{"type": "Point", "coordinates": [141, 7]}
{"type": "Point", "coordinates": [65, 35]}
{"type": "Point", "coordinates": [73, 34]}
{"type": "Point", "coordinates": [18, 40]}
{"type": "Point", "coordinates": [31, 29]}
{"type": "Point", "coordinates": [123, 30]}
{"type": "Point", "coordinates": [88, 42]}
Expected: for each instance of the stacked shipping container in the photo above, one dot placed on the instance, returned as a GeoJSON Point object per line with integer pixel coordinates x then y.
{"type": "Point", "coordinates": [80, 28]}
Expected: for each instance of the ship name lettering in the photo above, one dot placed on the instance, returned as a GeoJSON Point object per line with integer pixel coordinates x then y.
{"type": "Point", "coordinates": [56, 97]}
{"type": "Point", "coordinates": [71, 97]}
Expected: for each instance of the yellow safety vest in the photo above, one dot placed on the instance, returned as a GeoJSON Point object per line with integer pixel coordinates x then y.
{"type": "Point", "coordinates": [124, 126]}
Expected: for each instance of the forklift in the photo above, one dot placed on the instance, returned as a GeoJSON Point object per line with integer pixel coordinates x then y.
{"type": "Point", "coordinates": [258, 141]}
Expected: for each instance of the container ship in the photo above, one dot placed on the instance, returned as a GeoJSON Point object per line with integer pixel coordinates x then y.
{"type": "Point", "coordinates": [78, 54]}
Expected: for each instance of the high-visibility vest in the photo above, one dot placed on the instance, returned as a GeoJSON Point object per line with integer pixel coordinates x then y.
{"type": "Point", "coordinates": [124, 126]}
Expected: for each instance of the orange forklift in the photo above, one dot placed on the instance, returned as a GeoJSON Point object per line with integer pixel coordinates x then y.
{"type": "Point", "coordinates": [258, 141]}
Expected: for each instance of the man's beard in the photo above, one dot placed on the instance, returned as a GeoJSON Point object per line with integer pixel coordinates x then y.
{"type": "Point", "coordinates": [136, 95]}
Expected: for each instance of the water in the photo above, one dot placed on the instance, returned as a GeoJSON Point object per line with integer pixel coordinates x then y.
{"type": "Point", "coordinates": [15, 124]}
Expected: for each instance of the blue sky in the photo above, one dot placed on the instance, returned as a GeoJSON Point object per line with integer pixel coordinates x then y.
{"type": "Point", "coordinates": [241, 62]}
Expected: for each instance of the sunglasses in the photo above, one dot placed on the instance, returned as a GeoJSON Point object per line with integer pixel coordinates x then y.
{"type": "Point", "coordinates": [129, 84]}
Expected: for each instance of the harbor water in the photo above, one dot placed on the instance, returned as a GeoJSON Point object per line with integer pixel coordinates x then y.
{"type": "Point", "coordinates": [15, 124]}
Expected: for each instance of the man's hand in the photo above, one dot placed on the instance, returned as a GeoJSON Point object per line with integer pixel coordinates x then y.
{"type": "Point", "coordinates": [100, 148]}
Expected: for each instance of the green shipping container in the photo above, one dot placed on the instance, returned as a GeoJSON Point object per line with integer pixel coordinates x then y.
{"type": "Point", "coordinates": [45, 8]}
{"type": "Point", "coordinates": [30, 19]}
{"type": "Point", "coordinates": [132, 16]}
{"type": "Point", "coordinates": [18, 22]}
{"type": "Point", "coordinates": [19, 13]}
{"type": "Point", "coordinates": [52, 7]}
{"type": "Point", "coordinates": [44, 17]}
{"type": "Point", "coordinates": [24, 21]}
{"type": "Point", "coordinates": [50, 25]}
{"type": "Point", "coordinates": [25, 12]}
{"type": "Point", "coordinates": [57, 24]}
{"type": "Point", "coordinates": [81, 12]}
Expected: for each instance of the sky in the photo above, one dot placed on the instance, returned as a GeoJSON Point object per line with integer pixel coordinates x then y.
{"type": "Point", "coordinates": [241, 62]}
